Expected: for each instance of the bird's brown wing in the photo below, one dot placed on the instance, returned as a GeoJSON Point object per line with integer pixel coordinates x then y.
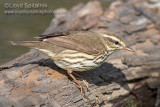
{"type": "Point", "coordinates": [82, 41]}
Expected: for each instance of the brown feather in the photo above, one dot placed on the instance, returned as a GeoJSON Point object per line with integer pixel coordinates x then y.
{"type": "Point", "coordinates": [83, 41]}
{"type": "Point", "coordinates": [25, 43]}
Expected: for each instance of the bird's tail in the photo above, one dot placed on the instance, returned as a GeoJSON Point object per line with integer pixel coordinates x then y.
{"type": "Point", "coordinates": [25, 43]}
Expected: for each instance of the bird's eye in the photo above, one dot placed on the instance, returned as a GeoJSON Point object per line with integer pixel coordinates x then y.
{"type": "Point", "coordinates": [116, 42]}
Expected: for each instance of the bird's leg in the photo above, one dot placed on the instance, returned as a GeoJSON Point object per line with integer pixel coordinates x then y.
{"type": "Point", "coordinates": [78, 84]}
{"type": "Point", "coordinates": [84, 81]}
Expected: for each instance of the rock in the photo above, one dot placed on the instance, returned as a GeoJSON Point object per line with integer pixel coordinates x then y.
{"type": "Point", "coordinates": [158, 25]}
{"type": "Point", "coordinates": [134, 28]}
{"type": "Point", "coordinates": [147, 12]}
{"type": "Point", "coordinates": [158, 98]}
{"type": "Point", "coordinates": [5, 102]}
{"type": "Point", "coordinates": [34, 80]}
{"type": "Point", "coordinates": [155, 39]}
{"type": "Point", "coordinates": [87, 14]}
{"type": "Point", "coordinates": [153, 83]}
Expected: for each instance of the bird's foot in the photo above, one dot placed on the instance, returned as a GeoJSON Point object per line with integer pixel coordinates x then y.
{"type": "Point", "coordinates": [84, 81]}
{"type": "Point", "coordinates": [77, 84]}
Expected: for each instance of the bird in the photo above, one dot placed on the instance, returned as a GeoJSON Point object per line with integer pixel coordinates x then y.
{"type": "Point", "coordinates": [77, 50]}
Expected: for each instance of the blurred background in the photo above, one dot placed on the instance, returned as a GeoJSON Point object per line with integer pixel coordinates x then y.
{"type": "Point", "coordinates": [26, 27]}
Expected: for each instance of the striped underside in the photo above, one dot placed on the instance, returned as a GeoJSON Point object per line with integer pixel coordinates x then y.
{"type": "Point", "coordinates": [76, 61]}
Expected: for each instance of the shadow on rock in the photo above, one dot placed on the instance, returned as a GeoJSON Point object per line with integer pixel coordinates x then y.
{"type": "Point", "coordinates": [101, 76]}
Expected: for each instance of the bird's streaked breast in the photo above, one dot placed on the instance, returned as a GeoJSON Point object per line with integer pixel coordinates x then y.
{"type": "Point", "coordinates": [78, 61]}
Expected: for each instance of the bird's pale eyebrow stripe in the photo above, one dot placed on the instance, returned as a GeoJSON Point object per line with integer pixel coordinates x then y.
{"type": "Point", "coordinates": [112, 37]}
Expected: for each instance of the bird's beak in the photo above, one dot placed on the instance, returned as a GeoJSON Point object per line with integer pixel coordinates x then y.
{"type": "Point", "coordinates": [129, 49]}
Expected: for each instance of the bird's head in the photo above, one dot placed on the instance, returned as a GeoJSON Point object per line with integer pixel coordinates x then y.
{"type": "Point", "coordinates": [113, 42]}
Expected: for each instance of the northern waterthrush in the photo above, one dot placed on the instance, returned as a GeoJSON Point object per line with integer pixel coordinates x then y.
{"type": "Point", "coordinates": [77, 50]}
